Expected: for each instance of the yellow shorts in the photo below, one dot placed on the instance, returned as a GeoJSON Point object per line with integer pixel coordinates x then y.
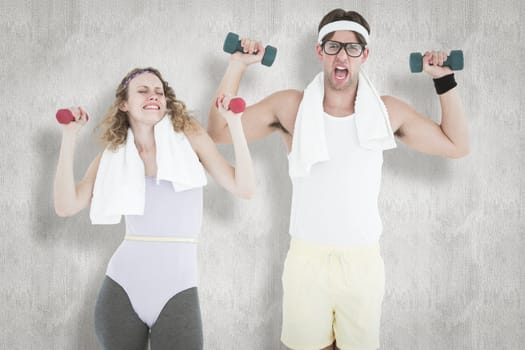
{"type": "Point", "coordinates": [332, 293]}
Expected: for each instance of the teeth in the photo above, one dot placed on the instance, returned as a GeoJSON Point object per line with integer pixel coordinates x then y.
{"type": "Point", "coordinates": [151, 107]}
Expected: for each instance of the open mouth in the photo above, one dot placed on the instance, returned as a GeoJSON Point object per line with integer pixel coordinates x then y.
{"type": "Point", "coordinates": [340, 73]}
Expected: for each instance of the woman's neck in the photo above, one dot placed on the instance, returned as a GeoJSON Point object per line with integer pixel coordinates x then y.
{"type": "Point", "coordinates": [144, 138]}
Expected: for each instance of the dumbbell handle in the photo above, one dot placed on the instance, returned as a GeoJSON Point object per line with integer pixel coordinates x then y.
{"type": "Point", "coordinates": [454, 61]}
{"type": "Point", "coordinates": [64, 116]}
{"type": "Point", "coordinates": [237, 104]}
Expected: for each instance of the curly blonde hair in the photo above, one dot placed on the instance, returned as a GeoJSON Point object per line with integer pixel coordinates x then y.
{"type": "Point", "coordinates": [115, 123]}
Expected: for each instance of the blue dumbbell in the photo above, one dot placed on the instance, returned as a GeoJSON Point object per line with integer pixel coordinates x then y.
{"type": "Point", "coordinates": [454, 61]}
{"type": "Point", "coordinates": [233, 44]}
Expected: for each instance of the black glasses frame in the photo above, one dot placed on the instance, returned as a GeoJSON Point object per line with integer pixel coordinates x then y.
{"type": "Point", "coordinates": [347, 46]}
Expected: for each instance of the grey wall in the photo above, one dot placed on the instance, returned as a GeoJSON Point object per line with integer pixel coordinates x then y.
{"type": "Point", "coordinates": [453, 238]}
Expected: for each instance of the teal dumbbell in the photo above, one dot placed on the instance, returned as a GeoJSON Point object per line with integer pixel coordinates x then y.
{"type": "Point", "coordinates": [233, 44]}
{"type": "Point", "coordinates": [454, 61]}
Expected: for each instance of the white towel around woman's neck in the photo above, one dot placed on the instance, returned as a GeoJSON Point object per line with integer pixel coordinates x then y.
{"type": "Point", "coordinates": [120, 183]}
{"type": "Point", "coordinates": [309, 138]}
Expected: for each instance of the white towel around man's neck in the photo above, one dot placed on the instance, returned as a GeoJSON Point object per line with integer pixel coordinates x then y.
{"type": "Point", "coordinates": [309, 138]}
{"type": "Point", "coordinates": [120, 183]}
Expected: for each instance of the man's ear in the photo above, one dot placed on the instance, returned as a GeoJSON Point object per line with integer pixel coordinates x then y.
{"type": "Point", "coordinates": [364, 56]}
{"type": "Point", "coordinates": [319, 51]}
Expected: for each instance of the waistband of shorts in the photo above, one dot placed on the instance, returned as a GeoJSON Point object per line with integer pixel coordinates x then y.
{"type": "Point", "coordinates": [300, 246]}
{"type": "Point", "coordinates": [166, 239]}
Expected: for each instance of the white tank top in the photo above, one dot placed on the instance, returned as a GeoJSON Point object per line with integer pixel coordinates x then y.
{"type": "Point", "coordinates": [337, 203]}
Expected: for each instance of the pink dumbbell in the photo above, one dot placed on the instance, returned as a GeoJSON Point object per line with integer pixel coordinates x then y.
{"type": "Point", "coordinates": [64, 116]}
{"type": "Point", "coordinates": [237, 104]}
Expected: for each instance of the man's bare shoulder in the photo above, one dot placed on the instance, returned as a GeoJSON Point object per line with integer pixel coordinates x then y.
{"type": "Point", "coordinates": [290, 96]}
{"type": "Point", "coordinates": [285, 104]}
{"type": "Point", "coordinates": [399, 112]}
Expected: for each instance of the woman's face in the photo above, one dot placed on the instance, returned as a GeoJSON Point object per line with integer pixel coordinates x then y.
{"type": "Point", "coordinates": [146, 102]}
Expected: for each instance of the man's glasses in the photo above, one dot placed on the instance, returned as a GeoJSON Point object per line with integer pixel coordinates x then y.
{"type": "Point", "coordinates": [332, 47]}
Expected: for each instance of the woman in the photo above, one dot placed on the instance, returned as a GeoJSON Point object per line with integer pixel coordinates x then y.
{"type": "Point", "coordinates": [152, 172]}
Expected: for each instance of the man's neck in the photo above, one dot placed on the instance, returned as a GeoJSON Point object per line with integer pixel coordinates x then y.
{"type": "Point", "coordinates": [339, 103]}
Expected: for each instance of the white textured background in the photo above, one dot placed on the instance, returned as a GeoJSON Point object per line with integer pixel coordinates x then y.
{"type": "Point", "coordinates": [453, 238]}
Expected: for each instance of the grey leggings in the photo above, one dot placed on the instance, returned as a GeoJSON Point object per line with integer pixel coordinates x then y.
{"type": "Point", "coordinates": [119, 328]}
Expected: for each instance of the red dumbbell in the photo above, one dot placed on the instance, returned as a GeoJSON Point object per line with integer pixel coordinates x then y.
{"type": "Point", "coordinates": [237, 104]}
{"type": "Point", "coordinates": [64, 116]}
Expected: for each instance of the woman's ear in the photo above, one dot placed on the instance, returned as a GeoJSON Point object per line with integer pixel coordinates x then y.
{"type": "Point", "coordinates": [123, 106]}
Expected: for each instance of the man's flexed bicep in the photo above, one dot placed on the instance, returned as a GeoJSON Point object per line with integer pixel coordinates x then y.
{"type": "Point", "coordinates": [274, 113]}
{"type": "Point", "coordinates": [448, 139]}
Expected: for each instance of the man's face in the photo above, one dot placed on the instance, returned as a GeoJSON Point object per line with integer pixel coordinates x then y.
{"type": "Point", "coordinates": [341, 71]}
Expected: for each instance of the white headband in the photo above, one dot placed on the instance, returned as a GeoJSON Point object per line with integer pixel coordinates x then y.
{"type": "Point", "coordinates": [343, 25]}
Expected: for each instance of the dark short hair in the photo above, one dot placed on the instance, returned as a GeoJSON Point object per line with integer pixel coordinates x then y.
{"type": "Point", "coordinates": [342, 15]}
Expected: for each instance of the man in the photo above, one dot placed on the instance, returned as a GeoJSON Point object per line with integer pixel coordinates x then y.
{"type": "Point", "coordinates": [335, 131]}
